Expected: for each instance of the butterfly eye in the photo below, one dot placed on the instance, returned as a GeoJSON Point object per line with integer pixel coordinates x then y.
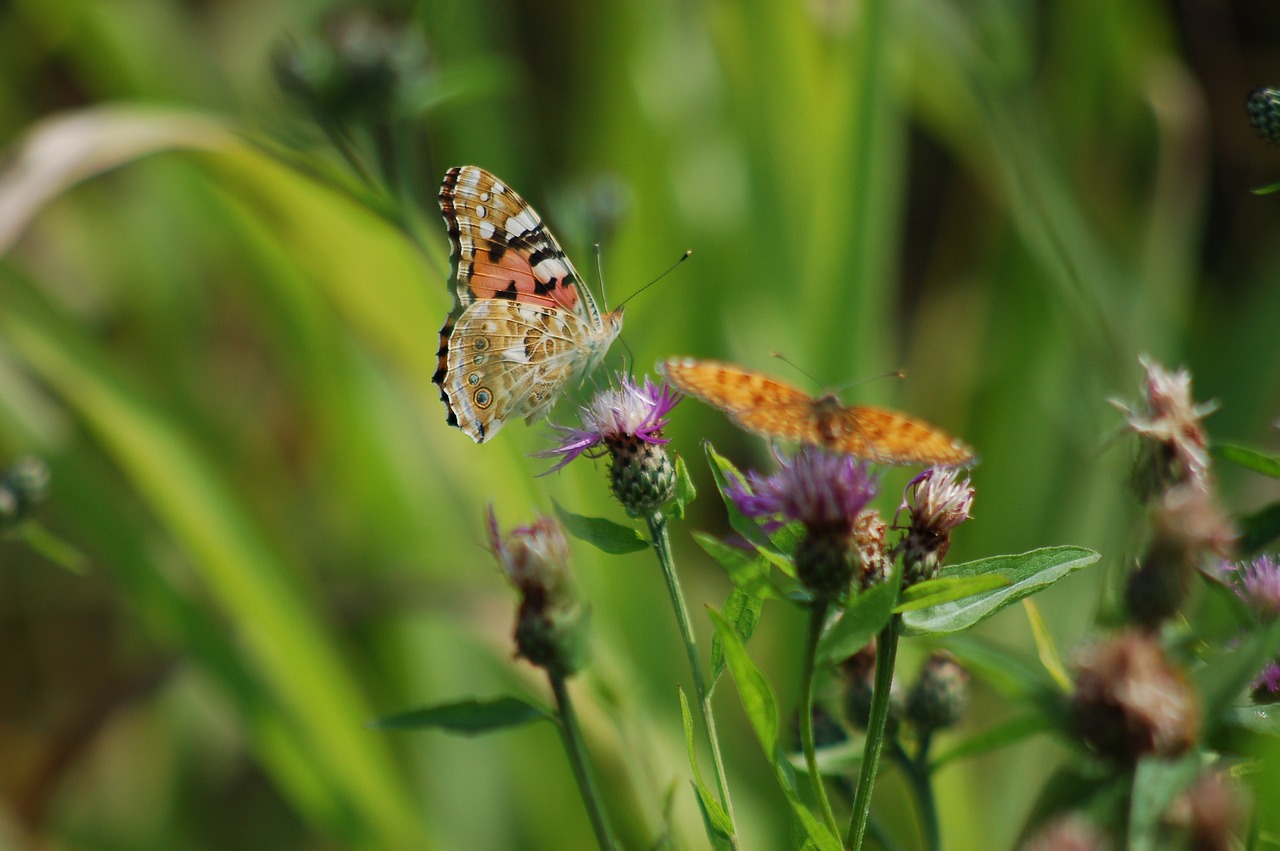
{"type": "Point", "coordinates": [473, 379]}
{"type": "Point", "coordinates": [483, 398]}
{"type": "Point", "coordinates": [478, 359]}
{"type": "Point", "coordinates": [481, 344]}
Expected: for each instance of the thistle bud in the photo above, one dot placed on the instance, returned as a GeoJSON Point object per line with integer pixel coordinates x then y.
{"type": "Point", "coordinates": [24, 486]}
{"type": "Point", "coordinates": [937, 501]}
{"type": "Point", "coordinates": [1263, 106]}
{"type": "Point", "coordinates": [940, 695]}
{"type": "Point", "coordinates": [551, 623]}
{"type": "Point", "coordinates": [1130, 701]}
{"type": "Point", "coordinates": [875, 560]}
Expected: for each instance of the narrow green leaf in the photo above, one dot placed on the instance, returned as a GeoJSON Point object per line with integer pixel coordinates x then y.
{"type": "Point", "coordinates": [762, 711]}
{"type": "Point", "coordinates": [1000, 736]}
{"type": "Point", "coordinates": [945, 589]}
{"type": "Point", "coordinates": [1027, 573]}
{"type": "Point", "coordinates": [685, 491]}
{"type": "Point", "coordinates": [62, 553]}
{"type": "Point", "coordinates": [1222, 681]}
{"type": "Point", "coordinates": [1155, 784]}
{"type": "Point", "coordinates": [742, 612]}
{"type": "Point", "coordinates": [1270, 189]}
{"type": "Point", "coordinates": [1250, 459]}
{"type": "Point", "coordinates": [467, 717]}
{"type": "Point", "coordinates": [613, 538]}
{"type": "Point", "coordinates": [753, 688]}
{"type": "Point", "coordinates": [864, 617]}
{"type": "Point", "coordinates": [748, 571]}
{"type": "Point", "coordinates": [1260, 529]}
{"type": "Point", "coordinates": [1014, 675]}
{"type": "Point", "coordinates": [725, 474]}
{"type": "Point", "coordinates": [716, 821]}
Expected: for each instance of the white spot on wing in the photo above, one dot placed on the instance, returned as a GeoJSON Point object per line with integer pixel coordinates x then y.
{"type": "Point", "coordinates": [515, 354]}
{"type": "Point", "coordinates": [521, 222]}
{"type": "Point", "coordinates": [487, 229]}
{"type": "Point", "coordinates": [550, 268]}
{"type": "Point", "coordinates": [480, 211]}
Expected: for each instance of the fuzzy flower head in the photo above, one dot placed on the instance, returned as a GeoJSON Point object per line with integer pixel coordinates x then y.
{"type": "Point", "coordinates": [1257, 582]}
{"type": "Point", "coordinates": [550, 625]}
{"type": "Point", "coordinates": [1173, 440]}
{"type": "Point", "coordinates": [937, 501]}
{"type": "Point", "coordinates": [625, 421]}
{"type": "Point", "coordinates": [823, 492]}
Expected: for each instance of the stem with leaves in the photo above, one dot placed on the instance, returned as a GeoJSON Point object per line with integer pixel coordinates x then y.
{"type": "Point", "coordinates": [576, 748]}
{"type": "Point", "coordinates": [817, 617]}
{"type": "Point", "coordinates": [662, 546]}
{"type": "Point", "coordinates": [886, 655]}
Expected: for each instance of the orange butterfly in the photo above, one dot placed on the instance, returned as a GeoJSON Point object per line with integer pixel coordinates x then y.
{"type": "Point", "coordinates": [775, 409]}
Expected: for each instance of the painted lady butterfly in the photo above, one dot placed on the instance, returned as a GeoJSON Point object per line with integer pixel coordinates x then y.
{"type": "Point", "coordinates": [522, 328]}
{"type": "Point", "coordinates": [776, 410]}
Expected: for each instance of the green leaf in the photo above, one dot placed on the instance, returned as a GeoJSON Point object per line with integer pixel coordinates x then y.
{"type": "Point", "coordinates": [748, 571]}
{"type": "Point", "coordinates": [864, 617]}
{"type": "Point", "coordinates": [945, 589]}
{"type": "Point", "coordinates": [1155, 784]}
{"type": "Point", "coordinates": [716, 821]}
{"type": "Point", "coordinates": [1027, 573]}
{"type": "Point", "coordinates": [685, 491]}
{"type": "Point", "coordinates": [742, 612]}
{"type": "Point", "coordinates": [1250, 459]}
{"type": "Point", "coordinates": [1259, 529]}
{"type": "Point", "coordinates": [1264, 720]}
{"type": "Point", "coordinates": [1014, 675]}
{"type": "Point", "coordinates": [62, 553]}
{"type": "Point", "coordinates": [467, 717]}
{"type": "Point", "coordinates": [1222, 681]}
{"type": "Point", "coordinates": [780, 542]}
{"type": "Point", "coordinates": [1266, 190]}
{"type": "Point", "coordinates": [753, 688]}
{"type": "Point", "coordinates": [613, 538]}
{"type": "Point", "coordinates": [1001, 736]}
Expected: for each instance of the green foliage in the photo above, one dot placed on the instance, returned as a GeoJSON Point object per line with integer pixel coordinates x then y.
{"type": "Point", "coordinates": [467, 717]}
{"type": "Point", "coordinates": [602, 533]}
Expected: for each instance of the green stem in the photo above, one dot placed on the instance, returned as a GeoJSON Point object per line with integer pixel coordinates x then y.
{"type": "Point", "coordinates": [577, 751]}
{"type": "Point", "coordinates": [886, 654]}
{"type": "Point", "coordinates": [662, 546]}
{"type": "Point", "coordinates": [921, 782]}
{"type": "Point", "coordinates": [817, 617]}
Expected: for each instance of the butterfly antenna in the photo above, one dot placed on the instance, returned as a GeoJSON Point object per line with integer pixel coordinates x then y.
{"type": "Point", "coordinates": [604, 296]}
{"type": "Point", "coordinates": [670, 269]}
{"type": "Point", "coordinates": [789, 362]}
{"type": "Point", "coordinates": [893, 373]}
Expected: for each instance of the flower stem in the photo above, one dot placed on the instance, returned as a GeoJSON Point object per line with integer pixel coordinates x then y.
{"type": "Point", "coordinates": [576, 748]}
{"type": "Point", "coordinates": [917, 773]}
{"type": "Point", "coordinates": [886, 654]}
{"type": "Point", "coordinates": [662, 546]}
{"type": "Point", "coordinates": [817, 617]}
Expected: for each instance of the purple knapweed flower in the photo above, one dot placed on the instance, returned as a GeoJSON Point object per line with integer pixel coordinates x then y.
{"type": "Point", "coordinates": [937, 501]}
{"type": "Point", "coordinates": [823, 492]}
{"type": "Point", "coordinates": [625, 421]}
{"type": "Point", "coordinates": [1167, 419]}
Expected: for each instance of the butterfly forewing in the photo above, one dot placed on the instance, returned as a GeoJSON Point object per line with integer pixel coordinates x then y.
{"type": "Point", "coordinates": [777, 410]}
{"type": "Point", "coordinates": [501, 248]}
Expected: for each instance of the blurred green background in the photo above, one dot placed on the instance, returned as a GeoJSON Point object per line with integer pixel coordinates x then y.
{"type": "Point", "coordinates": [225, 355]}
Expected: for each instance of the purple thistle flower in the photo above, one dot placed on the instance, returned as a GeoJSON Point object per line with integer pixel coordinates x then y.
{"type": "Point", "coordinates": [1266, 686]}
{"type": "Point", "coordinates": [618, 413]}
{"type": "Point", "coordinates": [1169, 422]}
{"type": "Point", "coordinates": [1257, 582]}
{"type": "Point", "coordinates": [938, 501]}
{"type": "Point", "coordinates": [819, 489]}
{"type": "Point", "coordinates": [823, 492]}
